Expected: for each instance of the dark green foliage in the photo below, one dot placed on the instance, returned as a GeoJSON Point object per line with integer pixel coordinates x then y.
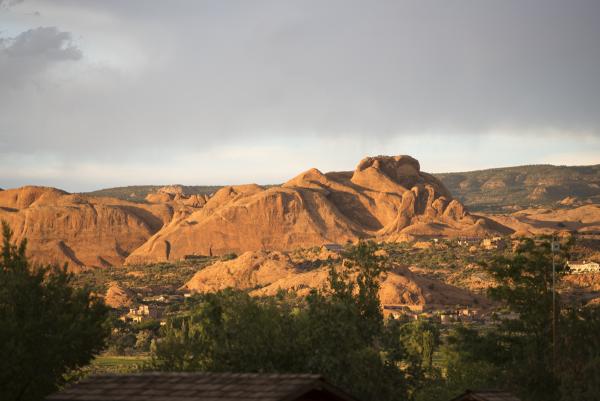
{"type": "Point", "coordinates": [337, 332]}
{"type": "Point", "coordinates": [579, 355]}
{"type": "Point", "coordinates": [228, 256]}
{"type": "Point", "coordinates": [519, 353]}
{"type": "Point", "coordinates": [128, 339]}
{"type": "Point", "coordinates": [47, 327]}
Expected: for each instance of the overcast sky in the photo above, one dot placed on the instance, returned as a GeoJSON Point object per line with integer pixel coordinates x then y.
{"type": "Point", "coordinates": [106, 93]}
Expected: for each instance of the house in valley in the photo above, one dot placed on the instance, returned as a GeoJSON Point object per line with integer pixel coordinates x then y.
{"type": "Point", "coordinates": [579, 267]}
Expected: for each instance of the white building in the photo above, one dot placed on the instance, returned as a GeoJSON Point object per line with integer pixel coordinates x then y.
{"type": "Point", "coordinates": [578, 267]}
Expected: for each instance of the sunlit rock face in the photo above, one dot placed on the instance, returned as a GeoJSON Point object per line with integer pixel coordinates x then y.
{"type": "Point", "coordinates": [385, 197]}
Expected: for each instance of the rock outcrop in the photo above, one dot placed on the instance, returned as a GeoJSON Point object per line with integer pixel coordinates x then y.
{"type": "Point", "coordinates": [119, 297]}
{"type": "Point", "coordinates": [76, 229]}
{"type": "Point", "coordinates": [175, 194]}
{"type": "Point", "coordinates": [267, 273]}
{"type": "Point", "coordinates": [387, 198]}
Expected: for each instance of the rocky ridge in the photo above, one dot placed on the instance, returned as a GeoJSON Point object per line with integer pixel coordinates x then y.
{"type": "Point", "coordinates": [385, 197]}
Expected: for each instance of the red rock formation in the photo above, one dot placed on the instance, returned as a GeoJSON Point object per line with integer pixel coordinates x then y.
{"type": "Point", "coordinates": [79, 230]}
{"type": "Point", "coordinates": [388, 198]}
{"type": "Point", "coordinates": [266, 273]}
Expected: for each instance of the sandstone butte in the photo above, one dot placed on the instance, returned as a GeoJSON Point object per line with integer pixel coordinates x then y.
{"type": "Point", "coordinates": [267, 272]}
{"type": "Point", "coordinates": [79, 230]}
{"type": "Point", "coordinates": [384, 198]}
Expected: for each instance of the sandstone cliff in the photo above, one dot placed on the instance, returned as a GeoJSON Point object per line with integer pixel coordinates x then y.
{"type": "Point", "coordinates": [80, 230]}
{"type": "Point", "coordinates": [387, 198]}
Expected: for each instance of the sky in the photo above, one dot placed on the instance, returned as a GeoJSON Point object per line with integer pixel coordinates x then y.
{"type": "Point", "coordinates": [105, 93]}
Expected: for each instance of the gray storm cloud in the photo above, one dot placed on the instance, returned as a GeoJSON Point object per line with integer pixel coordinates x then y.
{"type": "Point", "coordinates": [9, 3]}
{"type": "Point", "coordinates": [178, 75]}
{"type": "Point", "coordinates": [32, 52]}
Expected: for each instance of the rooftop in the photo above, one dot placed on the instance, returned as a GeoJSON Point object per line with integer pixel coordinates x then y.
{"type": "Point", "coordinates": [485, 395]}
{"type": "Point", "coordinates": [161, 386]}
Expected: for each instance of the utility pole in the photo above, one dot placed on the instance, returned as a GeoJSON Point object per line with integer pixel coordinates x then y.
{"type": "Point", "coordinates": [554, 246]}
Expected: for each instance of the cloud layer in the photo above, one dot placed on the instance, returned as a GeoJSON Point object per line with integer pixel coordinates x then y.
{"type": "Point", "coordinates": [139, 85]}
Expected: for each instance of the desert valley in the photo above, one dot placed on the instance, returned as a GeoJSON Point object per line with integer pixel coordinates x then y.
{"type": "Point", "coordinates": [285, 237]}
{"type": "Point", "coordinates": [299, 200]}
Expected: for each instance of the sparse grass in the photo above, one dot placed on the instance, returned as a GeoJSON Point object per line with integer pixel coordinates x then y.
{"type": "Point", "coordinates": [115, 362]}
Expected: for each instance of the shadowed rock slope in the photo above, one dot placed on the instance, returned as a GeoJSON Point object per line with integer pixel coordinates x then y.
{"type": "Point", "coordinates": [385, 197]}
{"type": "Point", "coordinates": [80, 230]}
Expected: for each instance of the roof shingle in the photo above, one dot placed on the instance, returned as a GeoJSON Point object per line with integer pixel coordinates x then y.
{"type": "Point", "coordinates": [485, 395]}
{"type": "Point", "coordinates": [161, 386]}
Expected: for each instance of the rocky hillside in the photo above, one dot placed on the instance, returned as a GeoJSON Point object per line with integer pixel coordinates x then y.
{"type": "Point", "coordinates": [384, 197]}
{"type": "Point", "coordinates": [267, 273]}
{"type": "Point", "coordinates": [528, 222]}
{"type": "Point", "coordinates": [81, 230]}
{"type": "Point", "coordinates": [493, 190]}
{"type": "Point", "coordinates": [514, 188]}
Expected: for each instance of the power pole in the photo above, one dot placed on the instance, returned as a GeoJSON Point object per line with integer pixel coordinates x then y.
{"type": "Point", "coordinates": [554, 246]}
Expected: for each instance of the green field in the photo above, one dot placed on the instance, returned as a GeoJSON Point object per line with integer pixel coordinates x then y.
{"type": "Point", "coordinates": [118, 364]}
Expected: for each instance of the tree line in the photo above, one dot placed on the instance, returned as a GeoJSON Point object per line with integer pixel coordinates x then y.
{"type": "Point", "coordinates": [50, 329]}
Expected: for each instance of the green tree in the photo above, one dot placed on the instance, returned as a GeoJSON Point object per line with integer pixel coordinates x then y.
{"type": "Point", "coordinates": [336, 331]}
{"type": "Point", "coordinates": [521, 353]}
{"type": "Point", "coordinates": [47, 327]}
{"type": "Point", "coordinates": [462, 366]}
{"type": "Point", "coordinates": [525, 286]}
{"type": "Point", "coordinates": [579, 358]}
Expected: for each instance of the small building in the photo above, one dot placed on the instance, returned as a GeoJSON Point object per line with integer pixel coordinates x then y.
{"type": "Point", "coordinates": [163, 386]}
{"type": "Point", "coordinates": [143, 312]}
{"type": "Point", "coordinates": [485, 395]}
{"type": "Point", "coordinates": [578, 267]}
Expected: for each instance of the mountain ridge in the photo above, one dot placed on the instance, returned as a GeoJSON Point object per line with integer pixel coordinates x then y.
{"type": "Point", "coordinates": [514, 197]}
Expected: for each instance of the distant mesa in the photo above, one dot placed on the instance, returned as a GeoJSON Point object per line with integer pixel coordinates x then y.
{"type": "Point", "coordinates": [583, 219]}
{"type": "Point", "coordinates": [510, 188]}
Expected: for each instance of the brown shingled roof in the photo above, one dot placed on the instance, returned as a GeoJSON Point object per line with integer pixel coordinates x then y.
{"type": "Point", "coordinates": [485, 395]}
{"type": "Point", "coordinates": [160, 386]}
